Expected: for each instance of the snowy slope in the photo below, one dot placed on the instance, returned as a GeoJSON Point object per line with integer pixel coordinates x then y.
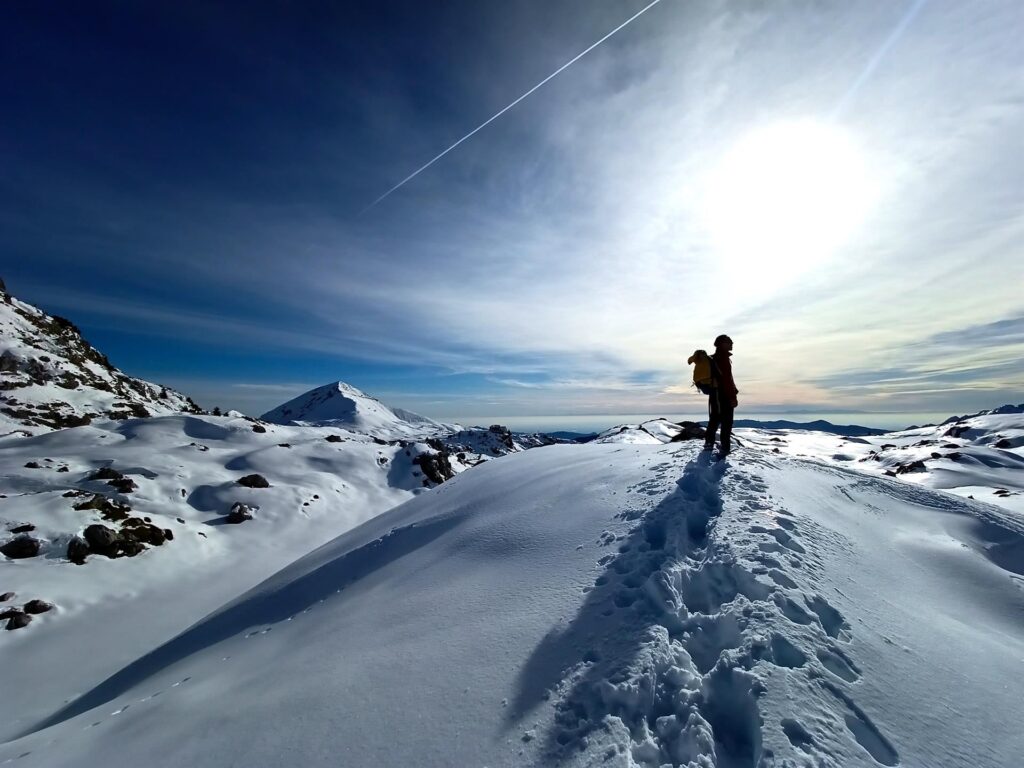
{"type": "Point", "coordinates": [186, 472]}
{"type": "Point", "coordinates": [50, 377]}
{"type": "Point", "coordinates": [979, 457]}
{"type": "Point", "coordinates": [341, 405]}
{"type": "Point", "coordinates": [602, 604]}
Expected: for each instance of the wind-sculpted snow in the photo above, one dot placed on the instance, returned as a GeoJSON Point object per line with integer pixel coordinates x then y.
{"type": "Point", "coordinates": [604, 604]}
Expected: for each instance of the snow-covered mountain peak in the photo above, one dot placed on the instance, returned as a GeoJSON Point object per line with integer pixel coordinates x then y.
{"type": "Point", "coordinates": [339, 404]}
{"type": "Point", "coordinates": [51, 377]}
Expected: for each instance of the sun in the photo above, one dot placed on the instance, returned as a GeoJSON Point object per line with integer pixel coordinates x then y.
{"type": "Point", "coordinates": [786, 197]}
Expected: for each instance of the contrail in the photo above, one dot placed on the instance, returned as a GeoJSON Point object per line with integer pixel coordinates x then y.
{"type": "Point", "coordinates": [494, 117]}
{"type": "Point", "coordinates": [869, 70]}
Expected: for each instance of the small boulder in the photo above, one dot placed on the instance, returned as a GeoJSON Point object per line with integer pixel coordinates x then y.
{"type": "Point", "coordinates": [689, 430]}
{"type": "Point", "coordinates": [105, 473]}
{"type": "Point", "coordinates": [6, 596]}
{"type": "Point", "coordinates": [123, 485]}
{"type": "Point", "coordinates": [37, 606]}
{"type": "Point", "coordinates": [284, 445]}
{"type": "Point", "coordinates": [914, 466]}
{"type": "Point", "coordinates": [1003, 443]}
{"type": "Point", "coordinates": [239, 513]}
{"type": "Point", "coordinates": [78, 550]}
{"type": "Point", "coordinates": [333, 438]}
{"type": "Point", "coordinates": [254, 481]}
{"type": "Point", "coordinates": [109, 509]}
{"type": "Point", "coordinates": [21, 547]}
{"type": "Point", "coordinates": [134, 529]}
{"type": "Point", "coordinates": [259, 428]}
{"type": "Point", "coordinates": [23, 528]}
{"type": "Point", "coordinates": [102, 540]}
{"type": "Point", "coordinates": [33, 465]}
{"type": "Point", "coordinates": [130, 547]}
{"type": "Point", "coordinates": [17, 619]}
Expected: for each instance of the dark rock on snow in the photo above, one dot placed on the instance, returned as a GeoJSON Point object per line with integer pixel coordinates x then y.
{"type": "Point", "coordinates": [21, 547]}
{"type": "Point", "coordinates": [137, 530]}
{"type": "Point", "coordinates": [691, 430]}
{"type": "Point", "coordinates": [102, 540]}
{"type": "Point", "coordinates": [124, 485]}
{"type": "Point", "coordinates": [23, 528]}
{"type": "Point", "coordinates": [37, 606]}
{"type": "Point", "coordinates": [16, 619]}
{"type": "Point", "coordinates": [435, 466]}
{"type": "Point", "coordinates": [105, 473]}
{"type": "Point", "coordinates": [109, 509]}
{"type": "Point", "coordinates": [239, 513]}
{"type": "Point", "coordinates": [254, 481]}
{"type": "Point", "coordinates": [78, 550]}
{"type": "Point", "coordinates": [914, 466]}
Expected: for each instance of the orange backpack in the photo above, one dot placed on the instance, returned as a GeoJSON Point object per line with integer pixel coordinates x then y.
{"type": "Point", "coordinates": [703, 371]}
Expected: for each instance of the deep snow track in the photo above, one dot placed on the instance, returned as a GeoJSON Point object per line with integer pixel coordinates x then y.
{"type": "Point", "coordinates": [688, 602]}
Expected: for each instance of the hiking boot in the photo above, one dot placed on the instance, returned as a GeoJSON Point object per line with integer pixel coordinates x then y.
{"type": "Point", "coordinates": [709, 446]}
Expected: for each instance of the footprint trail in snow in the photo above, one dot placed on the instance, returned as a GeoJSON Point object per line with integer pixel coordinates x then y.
{"type": "Point", "coordinates": [709, 594]}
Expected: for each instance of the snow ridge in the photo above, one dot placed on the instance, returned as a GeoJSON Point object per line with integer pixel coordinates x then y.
{"type": "Point", "coordinates": [676, 685]}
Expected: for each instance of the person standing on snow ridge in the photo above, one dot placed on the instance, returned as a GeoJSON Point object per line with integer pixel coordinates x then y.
{"type": "Point", "coordinates": [723, 399]}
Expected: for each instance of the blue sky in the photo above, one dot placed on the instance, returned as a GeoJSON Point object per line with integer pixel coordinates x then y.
{"type": "Point", "coordinates": [836, 185]}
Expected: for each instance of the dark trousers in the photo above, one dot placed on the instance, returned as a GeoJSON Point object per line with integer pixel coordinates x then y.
{"type": "Point", "coordinates": [720, 413]}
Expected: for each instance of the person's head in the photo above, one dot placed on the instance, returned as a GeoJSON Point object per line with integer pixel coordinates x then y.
{"type": "Point", "coordinates": [723, 342]}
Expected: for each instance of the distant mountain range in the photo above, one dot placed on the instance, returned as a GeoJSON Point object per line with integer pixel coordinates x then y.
{"type": "Point", "coordinates": [52, 378]}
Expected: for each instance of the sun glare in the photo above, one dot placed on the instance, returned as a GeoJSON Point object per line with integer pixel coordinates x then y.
{"type": "Point", "coordinates": [786, 197]}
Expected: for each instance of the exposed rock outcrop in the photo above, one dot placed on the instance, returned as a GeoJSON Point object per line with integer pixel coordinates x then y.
{"type": "Point", "coordinates": [21, 547]}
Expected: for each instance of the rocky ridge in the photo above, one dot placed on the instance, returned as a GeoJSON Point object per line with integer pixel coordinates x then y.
{"type": "Point", "coordinates": [52, 378]}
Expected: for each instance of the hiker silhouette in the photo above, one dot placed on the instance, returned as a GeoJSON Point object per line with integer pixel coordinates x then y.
{"type": "Point", "coordinates": [712, 375]}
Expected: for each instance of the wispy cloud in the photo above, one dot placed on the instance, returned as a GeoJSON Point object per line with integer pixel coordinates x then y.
{"type": "Point", "coordinates": [561, 255]}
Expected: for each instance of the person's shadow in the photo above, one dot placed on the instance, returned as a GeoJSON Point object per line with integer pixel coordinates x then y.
{"type": "Point", "coordinates": [630, 596]}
